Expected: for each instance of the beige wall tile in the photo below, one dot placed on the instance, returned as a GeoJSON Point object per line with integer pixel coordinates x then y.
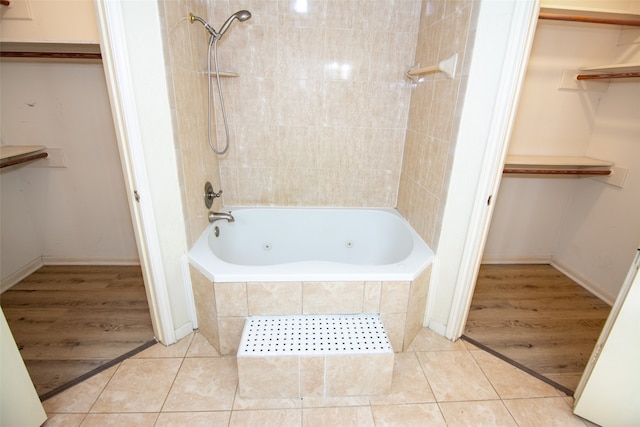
{"type": "Point", "coordinates": [394, 325]}
{"type": "Point", "coordinates": [206, 311]}
{"type": "Point", "coordinates": [278, 298]}
{"type": "Point", "coordinates": [230, 333]}
{"type": "Point", "coordinates": [332, 297]}
{"type": "Point", "coordinates": [394, 297]}
{"type": "Point", "coordinates": [356, 375]}
{"type": "Point", "coordinates": [372, 297]}
{"type": "Point", "coordinates": [269, 377]}
{"type": "Point", "coordinates": [231, 298]}
{"type": "Point", "coordinates": [312, 376]}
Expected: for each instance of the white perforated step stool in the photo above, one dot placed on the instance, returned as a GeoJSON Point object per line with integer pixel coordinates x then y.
{"type": "Point", "coordinates": [314, 356]}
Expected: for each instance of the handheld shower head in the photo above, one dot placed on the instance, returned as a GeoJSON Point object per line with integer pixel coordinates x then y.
{"type": "Point", "coordinates": [241, 15]}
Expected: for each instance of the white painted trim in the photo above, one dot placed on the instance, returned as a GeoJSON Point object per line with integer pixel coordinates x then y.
{"type": "Point", "coordinates": [184, 331]}
{"type": "Point", "coordinates": [503, 38]}
{"type": "Point", "coordinates": [517, 260]}
{"type": "Point", "coordinates": [111, 29]}
{"type": "Point", "coordinates": [24, 271]}
{"type": "Point", "coordinates": [521, 32]}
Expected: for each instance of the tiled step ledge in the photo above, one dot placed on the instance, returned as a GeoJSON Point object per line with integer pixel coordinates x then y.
{"type": "Point", "coordinates": [314, 356]}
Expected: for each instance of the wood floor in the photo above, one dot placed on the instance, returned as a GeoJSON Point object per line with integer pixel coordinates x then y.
{"type": "Point", "coordinates": [537, 317]}
{"type": "Point", "coordinates": [70, 320]}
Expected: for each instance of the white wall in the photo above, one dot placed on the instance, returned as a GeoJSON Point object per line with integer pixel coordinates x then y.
{"type": "Point", "coordinates": [49, 21]}
{"type": "Point", "coordinates": [75, 214]}
{"type": "Point", "coordinates": [587, 228]}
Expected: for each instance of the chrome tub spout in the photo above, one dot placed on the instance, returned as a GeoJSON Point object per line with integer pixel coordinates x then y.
{"type": "Point", "coordinates": [215, 216]}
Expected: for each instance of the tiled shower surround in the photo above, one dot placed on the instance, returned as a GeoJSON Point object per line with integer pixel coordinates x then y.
{"type": "Point", "coordinates": [222, 308]}
{"type": "Point", "coordinates": [321, 114]}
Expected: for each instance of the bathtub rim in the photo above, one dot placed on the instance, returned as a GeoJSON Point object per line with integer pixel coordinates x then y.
{"type": "Point", "coordinates": [199, 256]}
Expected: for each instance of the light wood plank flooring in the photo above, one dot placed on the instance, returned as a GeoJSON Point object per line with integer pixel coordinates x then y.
{"type": "Point", "coordinates": [537, 317]}
{"type": "Point", "coordinates": [70, 320]}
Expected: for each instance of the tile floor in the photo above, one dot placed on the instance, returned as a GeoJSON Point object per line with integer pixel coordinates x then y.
{"type": "Point", "coordinates": [436, 383]}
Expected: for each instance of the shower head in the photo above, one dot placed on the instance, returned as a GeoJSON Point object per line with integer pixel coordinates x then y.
{"type": "Point", "coordinates": [193, 18]}
{"type": "Point", "coordinates": [241, 15]}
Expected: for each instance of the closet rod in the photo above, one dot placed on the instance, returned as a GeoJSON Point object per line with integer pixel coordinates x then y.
{"type": "Point", "coordinates": [590, 19]}
{"type": "Point", "coordinates": [556, 172]}
{"type": "Point", "coordinates": [51, 55]}
{"type": "Point", "coordinates": [607, 76]}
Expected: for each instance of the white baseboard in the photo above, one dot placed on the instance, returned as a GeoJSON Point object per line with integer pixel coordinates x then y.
{"type": "Point", "coordinates": [13, 278]}
{"type": "Point", "coordinates": [89, 261]}
{"type": "Point", "coordinates": [584, 282]}
{"type": "Point", "coordinates": [183, 331]}
{"type": "Point", "coordinates": [517, 260]}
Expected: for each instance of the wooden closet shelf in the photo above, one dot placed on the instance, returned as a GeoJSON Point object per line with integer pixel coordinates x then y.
{"type": "Point", "coordinates": [556, 165]}
{"type": "Point", "coordinates": [15, 155]}
{"type": "Point", "coordinates": [614, 71]}
{"type": "Point", "coordinates": [589, 16]}
{"type": "Point", "coordinates": [50, 50]}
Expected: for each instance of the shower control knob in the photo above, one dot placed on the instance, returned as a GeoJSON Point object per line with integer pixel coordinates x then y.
{"type": "Point", "coordinates": [209, 195]}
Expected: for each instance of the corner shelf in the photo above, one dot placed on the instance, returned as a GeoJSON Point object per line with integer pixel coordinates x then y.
{"type": "Point", "coordinates": [556, 165]}
{"type": "Point", "coordinates": [15, 155]}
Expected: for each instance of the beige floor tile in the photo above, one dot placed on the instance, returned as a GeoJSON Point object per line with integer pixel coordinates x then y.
{"type": "Point", "coordinates": [489, 413]}
{"type": "Point", "coordinates": [423, 414]}
{"type": "Point", "coordinates": [64, 420]}
{"type": "Point", "coordinates": [240, 403]}
{"type": "Point", "coordinates": [266, 418]}
{"type": "Point", "coordinates": [360, 416]}
{"type": "Point", "coordinates": [193, 419]}
{"type": "Point", "coordinates": [200, 347]}
{"type": "Point", "coordinates": [509, 381]}
{"type": "Point", "coordinates": [455, 376]}
{"type": "Point", "coordinates": [203, 384]}
{"type": "Point", "coordinates": [119, 420]}
{"type": "Point", "coordinates": [158, 350]}
{"type": "Point", "coordinates": [326, 402]}
{"type": "Point", "coordinates": [80, 398]}
{"type": "Point", "coordinates": [547, 411]}
{"type": "Point", "coordinates": [427, 340]}
{"type": "Point", "coordinates": [139, 385]}
{"type": "Point", "coordinates": [409, 383]}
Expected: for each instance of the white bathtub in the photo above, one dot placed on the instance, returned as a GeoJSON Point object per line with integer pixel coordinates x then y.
{"type": "Point", "coordinates": [302, 244]}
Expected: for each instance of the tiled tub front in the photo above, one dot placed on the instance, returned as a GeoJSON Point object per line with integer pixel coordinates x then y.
{"type": "Point", "coordinates": [223, 307]}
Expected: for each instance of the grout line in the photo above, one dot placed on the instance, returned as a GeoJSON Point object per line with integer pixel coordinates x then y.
{"type": "Point", "coordinates": [529, 371]}
{"type": "Point", "coordinates": [96, 371]}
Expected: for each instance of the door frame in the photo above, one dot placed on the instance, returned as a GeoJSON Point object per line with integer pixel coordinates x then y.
{"type": "Point", "coordinates": [116, 64]}
{"type": "Point", "coordinates": [503, 40]}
